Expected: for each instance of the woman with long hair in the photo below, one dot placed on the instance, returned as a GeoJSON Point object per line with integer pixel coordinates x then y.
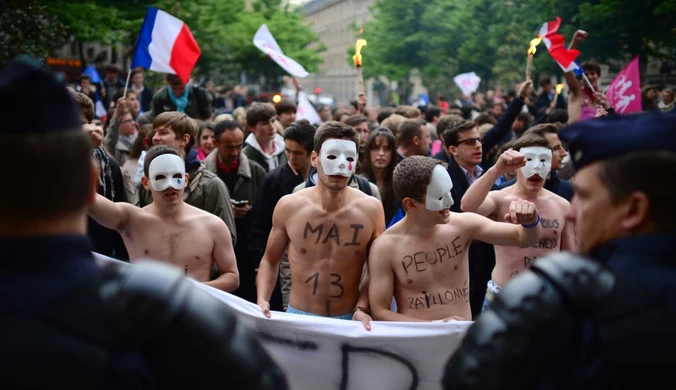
{"type": "Point", "coordinates": [378, 166]}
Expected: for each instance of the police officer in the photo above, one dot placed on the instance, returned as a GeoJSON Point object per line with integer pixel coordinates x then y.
{"type": "Point", "coordinates": [66, 322]}
{"type": "Point", "coordinates": [606, 321]}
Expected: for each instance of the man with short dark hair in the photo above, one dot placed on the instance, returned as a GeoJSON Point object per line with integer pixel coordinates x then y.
{"type": "Point", "coordinates": [432, 115]}
{"type": "Point", "coordinates": [85, 86]}
{"type": "Point", "coordinates": [327, 228]}
{"type": "Point", "coordinates": [178, 96]}
{"type": "Point", "coordinates": [298, 146]}
{"type": "Point", "coordinates": [423, 260]}
{"type": "Point", "coordinates": [243, 178]}
{"type": "Point", "coordinates": [78, 324]}
{"type": "Point", "coordinates": [361, 124]}
{"type": "Point", "coordinates": [204, 189]}
{"type": "Point", "coordinates": [413, 139]}
{"type": "Point", "coordinates": [553, 183]}
{"type": "Point", "coordinates": [445, 123]}
{"type": "Point", "coordinates": [168, 229]}
{"type": "Point", "coordinates": [286, 112]}
{"type": "Point", "coordinates": [263, 145]}
{"type": "Point", "coordinates": [110, 84]}
{"type": "Point", "coordinates": [532, 156]}
{"type": "Point", "coordinates": [546, 98]}
{"type": "Point", "coordinates": [624, 218]}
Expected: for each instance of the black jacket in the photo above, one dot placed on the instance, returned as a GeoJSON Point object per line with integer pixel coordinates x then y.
{"type": "Point", "coordinates": [106, 241]}
{"type": "Point", "coordinates": [199, 106]}
{"type": "Point", "coordinates": [70, 346]}
{"type": "Point", "coordinates": [481, 255]}
{"type": "Point", "coordinates": [497, 133]}
{"type": "Point", "coordinates": [636, 323]}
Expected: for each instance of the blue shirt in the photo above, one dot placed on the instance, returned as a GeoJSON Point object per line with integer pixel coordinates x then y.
{"type": "Point", "coordinates": [477, 173]}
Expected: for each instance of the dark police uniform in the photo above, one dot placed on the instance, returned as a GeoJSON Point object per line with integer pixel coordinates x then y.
{"type": "Point", "coordinates": [67, 323]}
{"type": "Point", "coordinates": [604, 322]}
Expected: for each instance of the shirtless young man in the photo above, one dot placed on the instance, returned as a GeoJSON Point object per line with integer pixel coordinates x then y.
{"type": "Point", "coordinates": [532, 156]}
{"type": "Point", "coordinates": [169, 229]}
{"type": "Point", "coordinates": [328, 229]}
{"type": "Point", "coordinates": [423, 259]}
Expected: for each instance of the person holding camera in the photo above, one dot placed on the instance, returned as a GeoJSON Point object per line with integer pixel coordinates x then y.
{"type": "Point", "coordinates": [243, 177]}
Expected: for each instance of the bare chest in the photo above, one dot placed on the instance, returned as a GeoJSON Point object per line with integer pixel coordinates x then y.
{"type": "Point", "coordinates": [188, 245]}
{"type": "Point", "coordinates": [422, 264]}
{"type": "Point", "coordinates": [552, 220]}
{"type": "Point", "coordinates": [334, 236]}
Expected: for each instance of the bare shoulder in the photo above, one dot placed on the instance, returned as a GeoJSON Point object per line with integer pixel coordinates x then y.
{"type": "Point", "coordinates": [203, 217]}
{"type": "Point", "coordinates": [384, 243]}
{"type": "Point", "coordinates": [502, 195]}
{"type": "Point", "coordinates": [367, 203]}
{"type": "Point", "coordinates": [294, 200]}
{"type": "Point", "coordinates": [556, 199]}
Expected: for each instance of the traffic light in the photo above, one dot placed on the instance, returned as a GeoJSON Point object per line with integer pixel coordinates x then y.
{"type": "Point", "coordinates": [318, 91]}
{"type": "Point", "coordinates": [276, 98]}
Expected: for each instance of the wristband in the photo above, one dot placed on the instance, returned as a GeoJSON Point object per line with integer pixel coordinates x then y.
{"type": "Point", "coordinates": [534, 224]}
{"type": "Point", "coordinates": [361, 309]}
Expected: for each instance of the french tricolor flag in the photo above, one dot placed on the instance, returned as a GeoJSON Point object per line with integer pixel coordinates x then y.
{"type": "Point", "coordinates": [556, 46]}
{"type": "Point", "coordinates": [165, 45]}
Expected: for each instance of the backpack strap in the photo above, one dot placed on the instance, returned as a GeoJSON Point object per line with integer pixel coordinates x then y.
{"type": "Point", "coordinates": [364, 185]}
{"type": "Point", "coordinates": [194, 182]}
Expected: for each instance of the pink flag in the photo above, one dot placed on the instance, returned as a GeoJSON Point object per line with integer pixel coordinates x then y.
{"type": "Point", "coordinates": [624, 93]}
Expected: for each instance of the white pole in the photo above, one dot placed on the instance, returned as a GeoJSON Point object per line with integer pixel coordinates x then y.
{"type": "Point", "coordinates": [127, 83]}
{"type": "Point", "coordinates": [588, 83]}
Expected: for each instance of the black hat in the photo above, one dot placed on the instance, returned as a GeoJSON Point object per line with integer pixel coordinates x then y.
{"type": "Point", "coordinates": [33, 99]}
{"type": "Point", "coordinates": [598, 139]}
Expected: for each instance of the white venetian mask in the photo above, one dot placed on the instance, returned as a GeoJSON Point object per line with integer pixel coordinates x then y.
{"type": "Point", "coordinates": [438, 195]}
{"type": "Point", "coordinates": [338, 157]}
{"type": "Point", "coordinates": [538, 161]}
{"type": "Point", "coordinates": [167, 170]}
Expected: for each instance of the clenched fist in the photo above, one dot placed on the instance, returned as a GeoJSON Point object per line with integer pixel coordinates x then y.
{"type": "Point", "coordinates": [523, 212]}
{"type": "Point", "coordinates": [95, 132]}
{"type": "Point", "coordinates": [510, 161]}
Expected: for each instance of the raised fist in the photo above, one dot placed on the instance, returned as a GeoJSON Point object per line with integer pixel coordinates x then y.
{"type": "Point", "coordinates": [523, 212]}
{"type": "Point", "coordinates": [361, 103]}
{"type": "Point", "coordinates": [580, 35]}
{"type": "Point", "coordinates": [526, 89]}
{"type": "Point", "coordinates": [510, 161]}
{"type": "Point", "coordinates": [95, 132]}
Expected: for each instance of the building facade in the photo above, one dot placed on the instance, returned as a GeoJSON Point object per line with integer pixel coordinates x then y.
{"type": "Point", "coordinates": [333, 21]}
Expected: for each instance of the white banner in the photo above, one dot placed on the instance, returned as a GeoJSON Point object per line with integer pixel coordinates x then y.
{"type": "Point", "coordinates": [306, 110]}
{"type": "Point", "coordinates": [264, 40]}
{"type": "Point", "coordinates": [324, 353]}
{"type": "Point", "coordinates": [467, 82]}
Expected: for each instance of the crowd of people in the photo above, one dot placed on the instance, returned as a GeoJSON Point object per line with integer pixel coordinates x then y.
{"type": "Point", "coordinates": [394, 214]}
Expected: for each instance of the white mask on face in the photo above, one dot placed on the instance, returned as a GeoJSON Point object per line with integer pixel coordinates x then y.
{"type": "Point", "coordinates": [338, 157]}
{"type": "Point", "coordinates": [438, 195]}
{"type": "Point", "coordinates": [538, 161]}
{"type": "Point", "coordinates": [167, 170]}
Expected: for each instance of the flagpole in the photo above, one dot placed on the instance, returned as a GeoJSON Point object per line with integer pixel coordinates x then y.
{"type": "Point", "coordinates": [127, 83]}
{"type": "Point", "coordinates": [588, 83]}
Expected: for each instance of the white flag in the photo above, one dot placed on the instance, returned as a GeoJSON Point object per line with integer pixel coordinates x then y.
{"type": "Point", "coordinates": [306, 110]}
{"type": "Point", "coordinates": [467, 82]}
{"type": "Point", "coordinates": [267, 44]}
